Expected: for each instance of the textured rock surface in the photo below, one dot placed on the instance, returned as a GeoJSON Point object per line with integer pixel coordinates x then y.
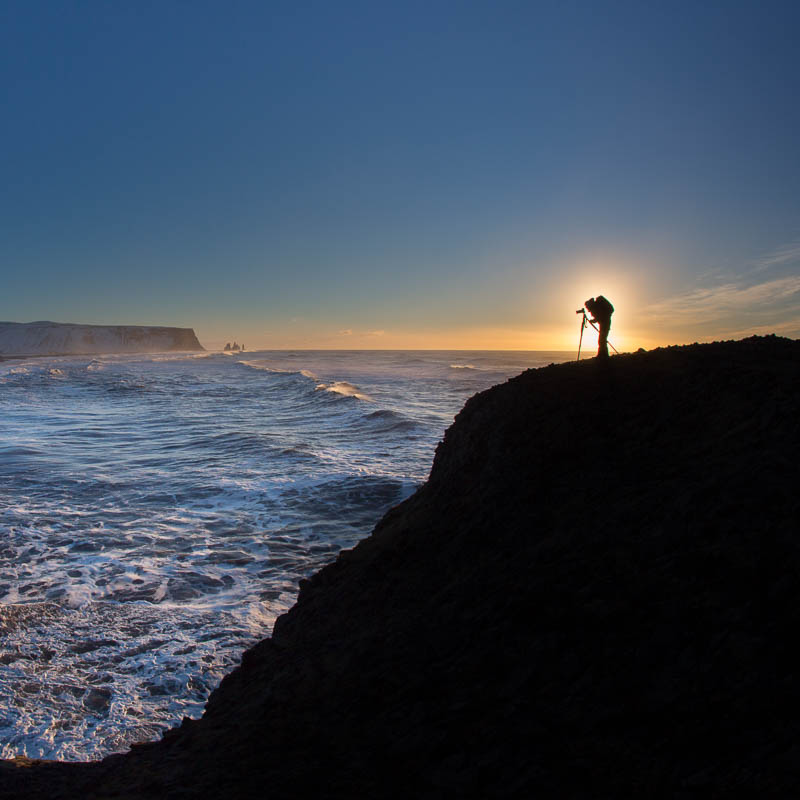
{"type": "Point", "coordinates": [595, 594]}
{"type": "Point", "coordinates": [57, 338]}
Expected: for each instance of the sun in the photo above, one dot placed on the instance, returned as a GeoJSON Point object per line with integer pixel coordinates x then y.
{"type": "Point", "coordinates": [616, 278]}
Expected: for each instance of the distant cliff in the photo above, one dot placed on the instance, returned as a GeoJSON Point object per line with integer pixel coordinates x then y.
{"type": "Point", "coordinates": [596, 594]}
{"type": "Point", "coordinates": [59, 338]}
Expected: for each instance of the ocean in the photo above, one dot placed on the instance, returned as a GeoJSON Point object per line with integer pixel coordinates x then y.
{"type": "Point", "coordinates": [157, 512]}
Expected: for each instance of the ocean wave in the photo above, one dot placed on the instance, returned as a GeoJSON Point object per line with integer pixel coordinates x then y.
{"type": "Point", "coordinates": [18, 450]}
{"type": "Point", "coordinates": [384, 413]}
{"type": "Point", "coordinates": [344, 388]}
{"type": "Point", "coordinates": [128, 386]}
{"type": "Point", "coordinates": [387, 421]}
{"type": "Point", "coordinates": [173, 356]}
{"type": "Point", "coordinates": [156, 515]}
{"type": "Point", "coordinates": [465, 366]}
{"type": "Point", "coordinates": [31, 375]}
{"type": "Point", "coordinates": [256, 365]}
{"type": "Point", "coordinates": [234, 442]}
{"type": "Point", "coordinates": [264, 368]}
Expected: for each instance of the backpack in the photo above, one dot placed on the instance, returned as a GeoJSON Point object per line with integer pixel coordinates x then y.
{"type": "Point", "coordinates": [602, 306]}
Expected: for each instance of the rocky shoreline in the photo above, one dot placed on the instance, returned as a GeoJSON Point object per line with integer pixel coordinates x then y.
{"type": "Point", "coordinates": [595, 594]}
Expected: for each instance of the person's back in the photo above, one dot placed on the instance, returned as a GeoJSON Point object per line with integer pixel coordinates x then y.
{"type": "Point", "coordinates": [601, 311]}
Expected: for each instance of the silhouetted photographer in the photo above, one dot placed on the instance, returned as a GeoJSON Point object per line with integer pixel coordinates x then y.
{"type": "Point", "coordinates": [601, 311]}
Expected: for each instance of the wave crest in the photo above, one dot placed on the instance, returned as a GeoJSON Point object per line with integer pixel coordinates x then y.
{"type": "Point", "coordinates": [264, 368]}
{"type": "Point", "coordinates": [344, 388]}
{"type": "Point", "coordinates": [386, 420]}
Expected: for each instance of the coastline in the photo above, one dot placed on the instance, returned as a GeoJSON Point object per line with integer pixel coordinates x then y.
{"type": "Point", "coordinates": [67, 338]}
{"type": "Point", "coordinates": [565, 606]}
{"type": "Point", "coordinates": [22, 357]}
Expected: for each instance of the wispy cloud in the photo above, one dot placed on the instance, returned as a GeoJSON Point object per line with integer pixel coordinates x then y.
{"type": "Point", "coordinates": [351, 332]}
{"type": "Point", "coordinates": [783, 255]}
{"type": "Point", "coordinates": [716, 302]}
{"type": "Point", "coordinates": [763, 299]}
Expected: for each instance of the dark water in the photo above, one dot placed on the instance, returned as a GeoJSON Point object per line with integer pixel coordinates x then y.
{"type": "Point", "coordinates": [157, 512]}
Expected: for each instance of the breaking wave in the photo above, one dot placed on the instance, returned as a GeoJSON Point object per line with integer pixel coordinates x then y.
{"type": "Point", "coordinates": [344, 388]}
{"type": "Point", "coordinates": [157, 514]}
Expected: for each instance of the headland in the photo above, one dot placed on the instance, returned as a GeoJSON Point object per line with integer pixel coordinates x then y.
{"type": "Point", "coordinates": [19, 339]}
{"type": "Point", "coordinates": [595, 594]}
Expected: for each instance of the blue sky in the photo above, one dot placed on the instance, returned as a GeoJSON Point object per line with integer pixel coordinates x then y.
{"type": "Point", "coordinates": [409, 174]}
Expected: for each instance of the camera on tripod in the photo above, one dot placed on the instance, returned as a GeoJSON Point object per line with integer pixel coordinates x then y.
{"type": "Point", "coordinates": [598, 309]}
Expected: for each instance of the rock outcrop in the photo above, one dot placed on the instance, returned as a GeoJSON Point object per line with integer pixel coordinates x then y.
{"type": "Point", "coordinates": [59, 338]}
{"type": "Point", "coordinates": [595, 594]}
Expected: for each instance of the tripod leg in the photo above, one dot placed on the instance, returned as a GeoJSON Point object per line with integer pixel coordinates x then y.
{"type": "Point", "coordinates": [580, 341]}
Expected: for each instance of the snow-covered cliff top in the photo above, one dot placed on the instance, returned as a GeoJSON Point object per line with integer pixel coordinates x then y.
{"type": "Point", "coordinates": [59, 338]}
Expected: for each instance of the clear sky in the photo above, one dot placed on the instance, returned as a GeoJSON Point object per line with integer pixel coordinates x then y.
{"type": "Point", "coordinates": [402, 174]}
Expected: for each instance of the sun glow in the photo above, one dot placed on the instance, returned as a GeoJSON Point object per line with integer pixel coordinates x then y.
{"type": "Point", "coordinates": [617, 278]}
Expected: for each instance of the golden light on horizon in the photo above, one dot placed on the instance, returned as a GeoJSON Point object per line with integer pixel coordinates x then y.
{"type": "Point", "coordinates": [533, 314]}
{"type": "Point", "coordinates": [618, 277]}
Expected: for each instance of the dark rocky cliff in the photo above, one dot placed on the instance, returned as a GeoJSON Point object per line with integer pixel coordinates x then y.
{"type": "Point", "coordinates": [595, 594]}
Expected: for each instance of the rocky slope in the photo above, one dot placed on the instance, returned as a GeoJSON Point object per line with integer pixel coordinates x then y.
{"type": "Point", "coordinates": [59, 338]}
{"type": "Point", "coordinates": [596, 594]}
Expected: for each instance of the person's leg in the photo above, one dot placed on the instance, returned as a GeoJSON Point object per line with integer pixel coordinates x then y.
{"type": "Point", "coordinates": [602, 341]}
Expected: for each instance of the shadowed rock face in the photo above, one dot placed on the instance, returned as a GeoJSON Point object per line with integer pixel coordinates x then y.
{"type": "Point", "coordinates": [57, 338]}
{"type": "Point", "coordinates": [595, 594]}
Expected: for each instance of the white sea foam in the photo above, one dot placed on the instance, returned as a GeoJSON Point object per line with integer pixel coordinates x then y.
{"type": "Point", "coordinates": [344, 388]}
{"type": "Point", "coordinates": [264, 368]}
{"type": "Point", "coordinates": [157, 513]}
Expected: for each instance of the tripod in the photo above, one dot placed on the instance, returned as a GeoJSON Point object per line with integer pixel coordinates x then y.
{"type": "Point", "coordinates": [584, 322]}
